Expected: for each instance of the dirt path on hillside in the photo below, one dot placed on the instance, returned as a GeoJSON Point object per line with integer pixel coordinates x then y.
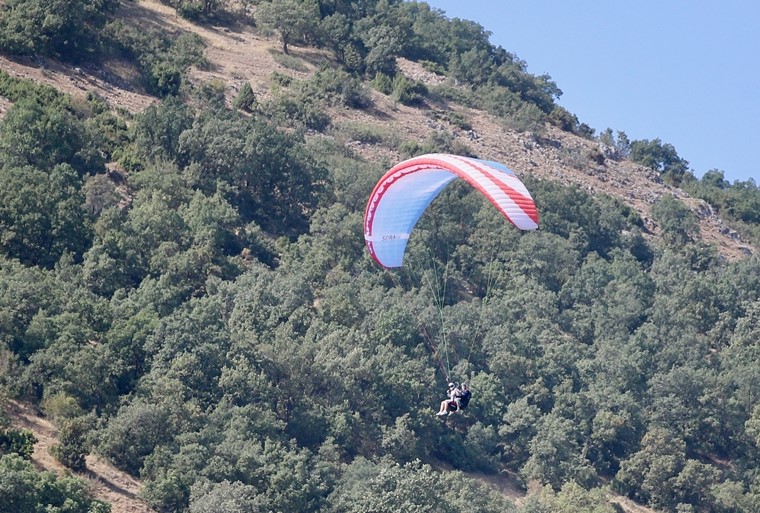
{"type": "Point", "coordinates": [106, 482]}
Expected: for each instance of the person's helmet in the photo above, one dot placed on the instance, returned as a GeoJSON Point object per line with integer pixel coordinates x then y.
{"type": "Point", "coordinates": [463, 385]}
{"type": "Point", "coordinates": [451, 385]}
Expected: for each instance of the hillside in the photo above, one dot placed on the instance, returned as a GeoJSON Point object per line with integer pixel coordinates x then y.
{"type": "Point", "coordinates": [106, 482]}
{"type": "Point", "coordinates": [239, 53]}
{"type": "Point", "coordinates": [121, 491]}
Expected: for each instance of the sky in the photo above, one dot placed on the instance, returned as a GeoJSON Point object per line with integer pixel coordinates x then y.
{"type": "Point", "coordinates": [685, 72]}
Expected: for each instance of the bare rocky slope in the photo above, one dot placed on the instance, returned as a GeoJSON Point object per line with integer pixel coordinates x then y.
{"type": "Point", "coordinates": [241, 54]}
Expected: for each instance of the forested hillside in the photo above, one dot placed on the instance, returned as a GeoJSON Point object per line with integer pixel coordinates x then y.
{"type": "Point", "coordinates": [186, 290]}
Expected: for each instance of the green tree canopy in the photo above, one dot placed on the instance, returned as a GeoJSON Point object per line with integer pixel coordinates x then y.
{"type": "Point", "coordinates": [70, 30]}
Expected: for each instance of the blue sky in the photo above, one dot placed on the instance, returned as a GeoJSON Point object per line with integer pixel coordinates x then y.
{"type": "Point", "coordinates": [686, 72]}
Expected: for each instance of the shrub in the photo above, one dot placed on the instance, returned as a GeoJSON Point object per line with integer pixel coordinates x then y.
{"type": "Point", "coordinates": [61, 406]}
{"type": "Point", "coordinates": [408, 92]}
{"type": "Point", "coordinates": [190, 10]}
{"type": "Point", "coordinates": [306, 114]}
{"type": "Point", "coordinates": [563, 119]}
{"type": "Point", "coordinates": [245, 99]}
{"type": "Point", "coordinates": [163, 58]}
{"type": "Point", "coordinates": [413, 148]}
{"type": "Point", "coordinates": [40, 236]}
{"type": "Point", "coordinates": [187, 50]}
{"type": "Point", "coordinates": [595, 155]}
{"type": "Point", "coordinates": [661, 157]}
{"type": "Point", "coordinates": [71, 451]}
{"type": "Point", "coordinates": [281, 79]}
{"type": "Point", "coordinates": [436, 142]}
{"type": "Point", "coordinates": [369, 134]}
{"type": "Point", "coordinates": [459, 95]}
{"type": "Point", "coordinates": [210, 93]}
{"type": "Point", "coordinates": [433, 67]}
{"type": "Point", "coordinates": [27, 490]}
{"type": "Point", "coordinates": [336, 87]}
{"type": "Point", "coordinates": [17, 441]}
{"type": "Point", "coordinates": [42, 136]}
{"type": "Point", "coordinates": [354, 95]}
{"type": "Point", "coordinates": [679, 224]}
{"type": "Point", "coordinates": [133, 434]}
{"type": "Point", "coordinates": [525, 118]}
{"type": "Point", "coordinates": [15, 89]}
{"type": "Point", "coordinates": [383, 83]}
{"type": "Point", "coordinates": [164, 79]}
{"type": "Point", "coordinates": [454, 118]}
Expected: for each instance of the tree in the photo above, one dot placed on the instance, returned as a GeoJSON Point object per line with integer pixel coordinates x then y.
{"type": "Point", "coordinates": [384, 44]}
{"type": "Point", "coordinates": [45, 135]}
{"type": "Point", "coordinates": [273, 179]}
{"type": "Point", "coordinates": [518, 429]}
{"type": "Point", "coordinates": [389, 487]}
{"type": "Point", "coordinates": [554, 454]}
{"type": "Point", "coordinates": [100, 193]}
{"type": "Point", "coordinates": [70, 30]}
{"type": "Point", "coordinates": [295, 20]}
{"type": "Point", "coordinates": [739, 384]}
{"type": "Point", "coordinates": [133, 434]}
{"type": "Point", "coordinates": [613, 147]}
{"type": "Point", "coordinates": [571, 498]}
{"type": "Point", "coordinates": [678, 223]}
{"type": "Point", "coordinates": [715, 178]}
{"type": "Point", "coordinates": [336, 34]}
{"type": "Point", "coordinates": [661, 157]}
{"type": "Point", "coordinates": [224, 497]}
{"type": "Point", "coordinates": [473, 66]}
{"type": "Point", "coordinates": [42, 214]}
{"type": "Point", "coordinates": [157, 130]}
{"type": "Point", "coordinates": [615, 428]}
{"type": "Point", "coordinates": [662, 475]}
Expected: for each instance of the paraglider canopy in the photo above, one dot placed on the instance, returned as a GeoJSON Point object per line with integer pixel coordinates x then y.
{"type": "Point", "coordinates": [406, 190]}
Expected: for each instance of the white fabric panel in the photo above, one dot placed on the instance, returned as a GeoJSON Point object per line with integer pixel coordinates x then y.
{"type": "Point", "coordinates": [399, 209]}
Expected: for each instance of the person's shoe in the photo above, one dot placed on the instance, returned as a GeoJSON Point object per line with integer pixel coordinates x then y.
{"type": "Point", "coordinates": [441, 413]}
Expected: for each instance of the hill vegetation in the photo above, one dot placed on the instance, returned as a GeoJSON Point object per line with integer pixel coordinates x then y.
{"type": "Point", "coordinates": [186, 292]}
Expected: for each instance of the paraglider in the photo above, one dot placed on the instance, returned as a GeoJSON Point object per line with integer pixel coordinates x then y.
{"type": "Point", "coordinates": [405, 191]}
{"type": "Point", "coordinates": [400, 198]}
